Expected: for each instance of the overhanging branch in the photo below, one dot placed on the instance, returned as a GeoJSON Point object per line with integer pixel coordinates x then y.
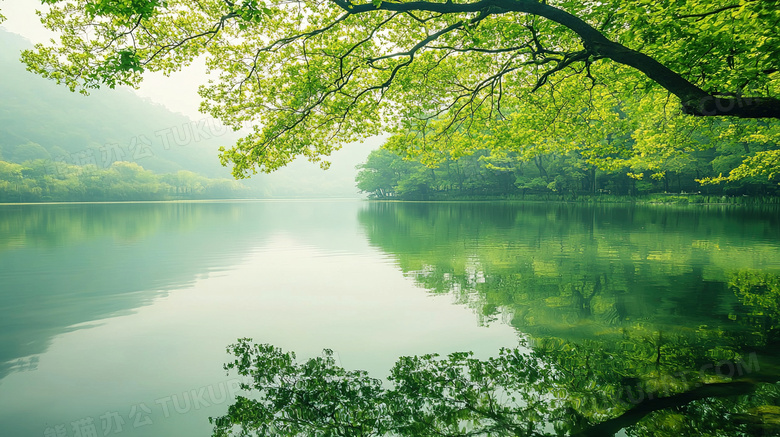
{"type": "Point", "coordinates": [695, 101]}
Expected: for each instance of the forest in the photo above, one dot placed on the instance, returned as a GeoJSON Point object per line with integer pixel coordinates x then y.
{"type": "Point", "coordinates": [43, 180]}
{"type": "Point", "coordinates": [389, 175]}
{"type": "Point", "coordinates": [567, 145]}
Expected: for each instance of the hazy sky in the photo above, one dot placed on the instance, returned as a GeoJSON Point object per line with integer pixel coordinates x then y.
{"type": "Point", "coordinates": [178, 93]}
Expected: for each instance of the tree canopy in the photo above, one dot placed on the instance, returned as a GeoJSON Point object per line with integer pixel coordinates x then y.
{"type": "Point", "coordinates": [312, 74]}
{"type": "Point", "coordinates": [42, 180]}
{"type": "Point", "coordinates": [566, 176]}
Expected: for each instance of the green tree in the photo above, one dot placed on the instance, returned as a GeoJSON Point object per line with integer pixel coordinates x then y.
{"type": "Point", "coordinates": [381, 173]}
{"type": "Point", "coordinates": [515, 170]}
{"type": "Point", "coordinates": [43, 180]}
{"type": "Point", "coordinates": [321, 73]}
{"type": "Point", "coordinates": [647, 139]}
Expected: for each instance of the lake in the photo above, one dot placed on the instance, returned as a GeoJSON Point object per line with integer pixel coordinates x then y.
{"type": "Point", "coordinates": [116, 317]}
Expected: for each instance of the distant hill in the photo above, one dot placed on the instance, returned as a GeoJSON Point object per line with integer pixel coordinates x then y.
{"type": "Point", "coordinates": [42, 120]}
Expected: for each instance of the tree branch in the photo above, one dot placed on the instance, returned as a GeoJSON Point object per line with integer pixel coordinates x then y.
{"type": "Point", "coordinates": [706, 14]}
{"type": "Point", "coordinates": [695, 101]}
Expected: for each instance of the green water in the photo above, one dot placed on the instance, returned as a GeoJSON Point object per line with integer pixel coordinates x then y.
{"type": "Point", "coordinates": [116, 316]}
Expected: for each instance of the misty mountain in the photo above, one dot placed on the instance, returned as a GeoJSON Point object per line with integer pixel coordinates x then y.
{"type": "Point", "coordinates": [42, 120]}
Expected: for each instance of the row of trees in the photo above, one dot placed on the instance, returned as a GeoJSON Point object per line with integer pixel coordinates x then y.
{"type": "Point", "coordinates": [612, 146]}
{"type": "Point", "coordinates": [386, 174]}
{"type": "Point", "coordinates": [43, 180]}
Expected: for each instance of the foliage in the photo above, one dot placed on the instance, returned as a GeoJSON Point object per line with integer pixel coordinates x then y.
{"type": "Point", "coordinates": [480, 174]}
{"type": "Point", "coordinates": [320, 73]}
{"type": "Point", "coordinates": [44, 180]}
{"type": "Point", "coordinates": [763, 164]}
{"type": "Point", "coordinates": [648, 139]}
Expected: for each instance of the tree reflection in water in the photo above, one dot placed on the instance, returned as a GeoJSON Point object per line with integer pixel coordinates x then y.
{"type": "Point", "coordinates": [661, 322]}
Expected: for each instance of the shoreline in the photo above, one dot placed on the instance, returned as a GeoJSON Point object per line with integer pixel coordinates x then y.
{"type": "Point", "coordinates": [120, 202]}
{"type": "Point", "coordinates": [650, 199]}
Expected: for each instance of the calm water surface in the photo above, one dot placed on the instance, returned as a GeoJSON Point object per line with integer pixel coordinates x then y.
{"type": "Point", "coordinates": [116, 316]}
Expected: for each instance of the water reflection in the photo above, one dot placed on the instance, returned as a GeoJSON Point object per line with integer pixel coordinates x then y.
{"type": "Point", "coordinates": [624, 301]}
{"type": "Point", "coordinates": [110, 309]}
{"type": "Point", "coordinates": [571, 270]}
{"type": "Point", "coordinates": [513, 394]}
{"type": "Point", "coordinates": [63, 265]}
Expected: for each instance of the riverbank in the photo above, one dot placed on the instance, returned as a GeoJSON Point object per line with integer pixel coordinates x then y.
{"type": "Point", "coordinates": [649, 199]}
